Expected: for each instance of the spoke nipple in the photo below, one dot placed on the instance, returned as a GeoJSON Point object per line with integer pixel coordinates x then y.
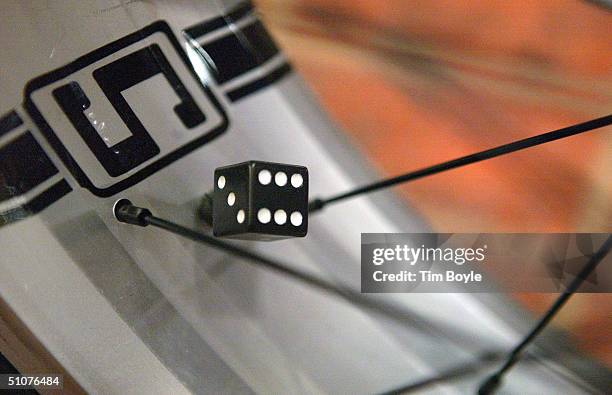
{"type": "Point", "coordinates": [124, 211]}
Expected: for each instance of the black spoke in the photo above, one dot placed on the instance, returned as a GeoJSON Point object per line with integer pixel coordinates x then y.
{"type": "Point", "coordinates": [492, 383]}
{"type": "Point", "coordinates": [128, 213]}
{"type": "Point", "coordinates": [482, 362]}
{"type": "Point", "coordinates": [319, 203]}
{"type": "Point", "coordinates": [457, 372]}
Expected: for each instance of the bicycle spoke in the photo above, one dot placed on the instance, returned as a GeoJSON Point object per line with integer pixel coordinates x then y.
{"type": "Point", "coordinates": [318, 203]}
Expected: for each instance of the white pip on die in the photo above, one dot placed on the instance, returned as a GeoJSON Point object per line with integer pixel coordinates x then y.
{"type": "Point", "coordinates": [258, 200]}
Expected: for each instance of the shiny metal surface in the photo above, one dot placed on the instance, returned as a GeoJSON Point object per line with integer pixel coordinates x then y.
{"type": "Point", "coordinates": [128, 310]}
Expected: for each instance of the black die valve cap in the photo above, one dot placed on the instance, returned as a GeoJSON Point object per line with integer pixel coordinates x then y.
{"type": "Point", "coordinates": [260, 201]}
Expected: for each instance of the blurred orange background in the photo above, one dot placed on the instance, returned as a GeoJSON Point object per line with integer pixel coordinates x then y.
{"type": "Point", "coordinates": [419, 82]}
